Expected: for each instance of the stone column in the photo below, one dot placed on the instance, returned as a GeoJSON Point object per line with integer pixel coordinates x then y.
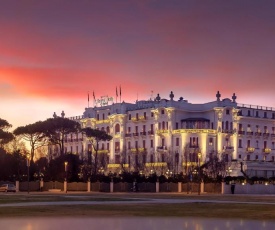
{"type": "Point", "coordinates": [112, 186]}
{"type": "Point", "coordinates": [89, 186]}
{"type": "Point", "coordinates": [41, 184]}
{"type": "Point", "coordinates": [179, 186]}
{"type": "Point", "coordinates": [157, 186]}
{"type": "Point", "coordinates": [65, 186]}
{"type": "Point", "coordinates": [17, 185]}
{"type": "Point", "coordinates": [202, 187]}
{"type": "Point", "coordinates": [223, 188]}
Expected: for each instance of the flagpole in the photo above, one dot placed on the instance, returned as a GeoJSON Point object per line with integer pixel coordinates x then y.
{"type": "Point", "coordinates": [88, 99]}
{"type": "Point", "coordinates": [116, 94]}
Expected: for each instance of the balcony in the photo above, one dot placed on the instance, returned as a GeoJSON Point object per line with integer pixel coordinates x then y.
{"type": "Point", "coordinates": [117, 151]}
{"type": "Point", "coordinates": [135, 134]}
{"type": "Point", "coordinates": [151, 132]}
{"type": "Point", "coordinates": [161, 148]}
{"type": "Point", "coordinates": [128, 135]}
{"type": "Point", "coordinates": [266, 150]}
{"type": "Point", "coordinates": [250, 150]}
{"type": "Point", "coordinates": [102, 151]}
{"type": "Point", "coordinates": [138, 150]}
{"type": "Point", "coordinates": [258, 134]}
{"type": "Point", "coordinates": [228, 131]}
{"type": "Point", "coordinates": [240, 132]}
{"type": "Point", "coordinates": [143, 133]}
{"type": "Point", "coordinates": [139, 118]}
{"type": "Point", "coordinates": [272, 135]}
{"type": "Point", "coordinates": [265, 135]}
{"type": "Point", "coordinates": [249, 133]}
{"type": "Point", "coordinates": [162, 131]}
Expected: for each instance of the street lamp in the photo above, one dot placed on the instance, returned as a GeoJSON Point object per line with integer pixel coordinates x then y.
{"type": "Point", "coordinates": [199, 172]}
{"type": "Point", "coordinates": [28, 166]}
{"type": "Point", "coordinates": [66, 170]}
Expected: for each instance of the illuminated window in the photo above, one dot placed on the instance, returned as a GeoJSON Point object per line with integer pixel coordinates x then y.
{"type": "Point", "coordinates": [117, 128]}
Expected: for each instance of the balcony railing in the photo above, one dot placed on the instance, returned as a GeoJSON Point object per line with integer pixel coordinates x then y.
{"type": "Point", "coordinates": [103, 151]}
{"type": "Point", "coordinates": [128, 134]}
{"type": "Point", "coordinates": [151, 132]}
{"type": "Point", "coordinates": [229, 148]}
{"type": "Point", "coordinates": [135, 134]}
{"type": "Point", "coordinates": [117, 150]}
{"type": "Point", "coordinates": [265, 135]}
{"type": "Point", "coordinates": [229, 131]}
{"type": "Point", "coordinates": [250, 149]}
{"type": "Point", "coordinates": [258, 134]}
{"type": "Point", "coordinates": [266, 150]}
{"type": "Point", "coordinates": [161, 148]}
{"type": "Point", "coordinates": [241, 132]}
{"type": "Point", "coordinates": [143, 133]}
{"type": "Point", "coordinates": [272, 135]}
{"type": "Point", "coordinates": [249, 133]}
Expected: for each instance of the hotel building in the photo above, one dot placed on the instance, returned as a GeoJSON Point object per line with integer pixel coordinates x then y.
{"type": "Point", "coordinates": [175, 135]}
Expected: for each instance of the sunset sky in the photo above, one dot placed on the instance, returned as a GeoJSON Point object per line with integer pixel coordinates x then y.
{"type": "Point", "coordinates": [52, 53]}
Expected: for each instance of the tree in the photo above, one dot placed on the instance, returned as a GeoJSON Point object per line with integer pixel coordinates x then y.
{"type": "Point", "coordinates": [5, 136]}
{"type": "Point", "coordinates": [32, 133]}
{"type": "Point", "coordinates": [56, 128]}
{"type": "Point", "coordinates": [95, 136]}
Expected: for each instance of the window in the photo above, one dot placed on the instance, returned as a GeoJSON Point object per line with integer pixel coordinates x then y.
{"type": "Point", "coordinates": [117, 159]}
{"type": "Point", "coordinates": [211, 141]}
{"type": "Point", "coordinates": [103, 116]}
{"type": "Point", "coordinates": [265, 129]}
{"type": "Point", "coordinates": [76, 149]}
{"type": "Point", "coordinates": [162, 158]}
{"type": "Point", "coordinates": [129, 145]}
{"type": "Point", "coordinates": [117, 128]}
{"type": "Point", "coordinates": [273, 145]}
{"type": "Point", "coordinates": [144, 144]}
{"type": "Point", "coordinates": [265, 144]}
{"type": "Point", "coordinates": [136, 144]}
{"type": "Point", "coordinates": [257, 113]}
{"type": "Point", "coordinates": [177, 141]}
{"type": "Point", "coordinates": [163, 125]}
{"type": "Point", "coordinates": [130, 117]}
{"type": "Point", "coordinates": [273, 130]}
{"type": "Point", "coordinates": [136, 129]}
{"type": "Point", "coordinates": [273, 115]}
{"type": "Point", "coordinates": [102, 146]}
{"type": "Point", "coordinates": [177, 125]}
{"type": "Point", "coordinates": [212, 125]}
{"type": "Point", "coordinates": [152, 143]}
{"type": "Point", "coordinates": [97, 116]}
{"type": "Point", "coordinates": [117, 146]}
{"type": "Point", "coordinates": [257, 144]}
{"type": "Point", "coordinates": [248, 113]}
{"type": "Point", "coordinates": [272, 158]}
{"type": "Point", "coordinates": [152, 128]}
{"type": "Point", "coordinates": [108, 146]}
{"type": "Point", "coordinates": [162, 142]}
{"type": "Point", "coordinates": [143, 158]}
{"type": "Point", "coordinates": [240, 127]}
{"type": "Point", "coordinates": [240, 156]}
{"type": "Point", "coordinates": [144, 114]}
{"type": "Point", "coordinates": [256, 157]}
{"type": "Point", "coordinates": [152, 114]}
{"type": "Point", "coordinates": [162, 111]}
{"type": "Point", "coordinates": [137, 116]}
{"type": "Point", "coordinates": [248, 158]}
{"type": "Point", "coordinates": [240, 143]}
{"type": "Point", "coordinates": [227, 112]}
{"type": "Point", "coordinates": [144, 128]}
{"type": "Point", "coordinates": [265, 115]}
{"type": "Point", "coordinates": [108, 129]}
{"type": "Point", "coordinates": [248, 144]}
{"type": "Point", "coordinates": [129, 129]}
{"type": "Point", "coordinates": [152, 158]}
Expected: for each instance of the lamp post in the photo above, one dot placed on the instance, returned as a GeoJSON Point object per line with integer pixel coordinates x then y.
{"type": "Point", "coordinates": [28, 166]}
{"type": "Point", "coordinates": [66, 170]}
{"type": "Point", "coordinates": [199, 172]}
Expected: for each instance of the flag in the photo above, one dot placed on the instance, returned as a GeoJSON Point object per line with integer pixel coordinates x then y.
{"type": "Point", "coordinates": [120, 90]}
{"type": "Point", "coordinates": [116, 92]}
{"type": "Point", "coordinates": [88, 97]}
{"type": "Point", "coordinates": [94, 94]}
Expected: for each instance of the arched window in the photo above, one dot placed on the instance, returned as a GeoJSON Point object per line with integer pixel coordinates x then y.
{"type": "Point", "coordinates": [108, 129]}
{"type": "Point", "coordinates": [117, 128]}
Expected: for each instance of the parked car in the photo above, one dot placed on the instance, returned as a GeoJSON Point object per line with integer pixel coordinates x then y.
{"type": "Point", "coordinates": [7, 188]}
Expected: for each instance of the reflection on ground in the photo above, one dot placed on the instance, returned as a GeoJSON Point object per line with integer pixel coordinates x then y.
{"type": "Point", "coordinates": [132, 223]}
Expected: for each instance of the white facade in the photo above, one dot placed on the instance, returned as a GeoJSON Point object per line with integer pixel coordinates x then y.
{"type": "Point", "coordinates": [166, 130]}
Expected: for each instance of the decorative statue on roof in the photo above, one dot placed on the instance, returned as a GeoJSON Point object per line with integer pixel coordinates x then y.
{"type": "Point", "coordinates": [158, 97]}
{"type": "Point", "coordinates": [234, 97]}
{"type": "Point", "coordinates": [171, 95]}
{"type": "Point", "coordinates": [218, 95]}
{"type": "Point", "coordinates": [63, 114]}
